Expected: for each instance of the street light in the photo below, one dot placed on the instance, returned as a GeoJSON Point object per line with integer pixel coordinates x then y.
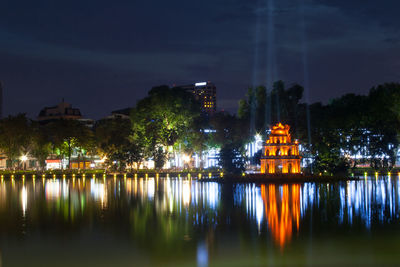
{"type": "Point", "coordinates": [24, 158]}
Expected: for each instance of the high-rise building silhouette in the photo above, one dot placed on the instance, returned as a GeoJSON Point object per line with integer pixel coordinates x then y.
{"type": "Point", "coordinates": [206, 94]}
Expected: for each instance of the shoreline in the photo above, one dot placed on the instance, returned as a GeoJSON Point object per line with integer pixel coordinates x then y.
{"type": "Point", "coordinates": [211, 176]}
{"type": "Point", "coordinates": [261, 178]}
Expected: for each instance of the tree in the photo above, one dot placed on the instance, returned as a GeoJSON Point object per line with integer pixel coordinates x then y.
{"type": "Point", "coordinates": [164, 118]}
{"type": "Point", "coordinates": [41, 145]}
{"type": "Point", "coordinates": [67, 136]}
{"type": "Point", "coordinates": [14, 137]}
{"type": "Point", "coordinates": [112, 140]}
{"type": "Point", "coordinates": [196, 139]}
{"type": "Point", "coordinates": [160, 157]}
{"type": "Point", "coordinates": [230, 136]}
{"type": "Point", "coordinates": [231, 158]}
{"type": "Point", "coordinates": [383, 122]}
{"type": "Point", "coordinates": [168, 113]}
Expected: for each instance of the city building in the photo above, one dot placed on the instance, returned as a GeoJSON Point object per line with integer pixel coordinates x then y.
{"type": "Point", "coordinates": [280, 155]}
{"type": "Point", "coordinates": [61, 111]}
{"type": "Point", "coordinates": [206, 94]}
{"type": "Point", "coordinates": [120, 114]}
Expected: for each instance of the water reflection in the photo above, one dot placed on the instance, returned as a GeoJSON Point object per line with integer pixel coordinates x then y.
{"type": "Point", "coordinates": [169, 216]}
{"type": "Point", "coordinates": [281, 208]}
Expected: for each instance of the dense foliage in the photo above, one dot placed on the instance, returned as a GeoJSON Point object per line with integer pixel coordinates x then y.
{"type": "Point", "coordinates": [346, 132]}
{"type": "Point", "coordinates": [350, 130]}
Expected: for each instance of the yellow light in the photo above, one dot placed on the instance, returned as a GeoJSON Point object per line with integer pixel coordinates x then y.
{"type": "Point", "coordinates": [94, 176]}
{"type": "Point", "coordinates": [186, 158]}
{"type": "Point", "coordinates": [221, 174]}
{"type": "Point", "coordinates": [157, 175]}
{"type": "Point", "coordinates": [33, 176]}
{"type": "Point", "coordinates": [199, 175]}
{"type": "Point", "coordinates": [189, 175]}
{"type": "Point", "coordinates": [243, 174]}
{"type": "Point", "coordinates": [209, 175]}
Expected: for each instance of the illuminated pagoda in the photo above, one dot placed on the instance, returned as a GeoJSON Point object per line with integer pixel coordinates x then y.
{"type": "Point", "coordinates": [280, 155]}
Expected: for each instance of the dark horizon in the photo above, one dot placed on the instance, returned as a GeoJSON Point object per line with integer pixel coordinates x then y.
{"type": "Point", "coordinates": [102, 57]}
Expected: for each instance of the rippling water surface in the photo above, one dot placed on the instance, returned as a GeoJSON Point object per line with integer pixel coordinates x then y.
{"type": "Point", "coordinates": [104, 222]}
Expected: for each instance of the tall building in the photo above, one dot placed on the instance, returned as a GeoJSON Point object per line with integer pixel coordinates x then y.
{"type": "Point", "coordinates": [206, 94]}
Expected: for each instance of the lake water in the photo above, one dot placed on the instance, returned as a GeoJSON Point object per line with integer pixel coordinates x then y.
{"type": "Point", "coordinates": [180, 222]}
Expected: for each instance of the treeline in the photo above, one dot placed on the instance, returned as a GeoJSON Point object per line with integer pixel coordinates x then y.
{"type": "Point", "coordinates": [166, 122]}
{"type": "Point", "coordinates": [20, 137]}
{"type": "Point", "coordinates": [350, 130]}
{"type": "Point", "coordinates": [169, 121]}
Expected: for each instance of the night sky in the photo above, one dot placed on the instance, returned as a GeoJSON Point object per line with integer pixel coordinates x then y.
{"type": "Point", "coordinates": [105, 55]}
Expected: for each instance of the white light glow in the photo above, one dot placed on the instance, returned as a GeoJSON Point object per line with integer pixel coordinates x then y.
{"type": "Point", "coordinates": [24, 198]}
{"type": "Point", "coordinates": [186, 158]}
{"type": "Point", "coordinates": [200, 84]}
{"type": "Point", "coordinates": [53, 189]}
{"type": "Point", "coordinates": [186, 193]}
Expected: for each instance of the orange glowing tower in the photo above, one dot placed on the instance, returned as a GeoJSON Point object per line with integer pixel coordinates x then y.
{"type": "Point", "coordinates": [280, 155]}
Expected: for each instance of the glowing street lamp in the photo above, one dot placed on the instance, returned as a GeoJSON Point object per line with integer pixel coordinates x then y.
{"type": "Point", "coordinates": [186, 158]}
{"type": "Point", "coordinates": [24, 158]}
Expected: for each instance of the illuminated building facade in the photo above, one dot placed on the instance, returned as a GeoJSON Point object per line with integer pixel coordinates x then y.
{"type": "Point", "coordinates": [280, 154]}
{"type": "Point", "coordinates": [206, 94]}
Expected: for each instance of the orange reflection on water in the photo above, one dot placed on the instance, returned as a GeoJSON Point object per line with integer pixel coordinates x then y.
{"type": "Point", "coordinates": [282, 211]}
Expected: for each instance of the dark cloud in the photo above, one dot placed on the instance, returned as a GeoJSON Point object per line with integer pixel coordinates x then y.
{"type": "Point", "coordinates": [103, 55]}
